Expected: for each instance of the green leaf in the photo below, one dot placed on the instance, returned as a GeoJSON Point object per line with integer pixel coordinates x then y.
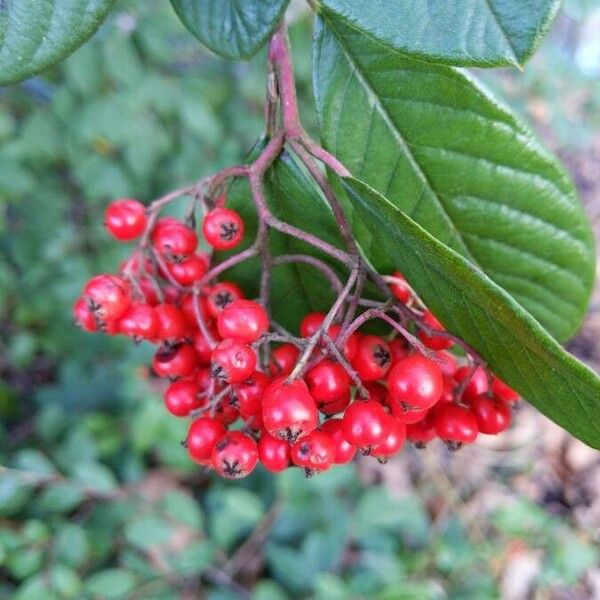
{"type": "Point", "coordinates": [231, 28]}
{"type": "Point", "coordinates": [110, 584]}
{"type": "Point", "coordinates": [296, 289]}
{"type": "Point", "coordinates": [148, 531]}
{"type": "Point", "coordinates": [460, 164]}
{"type": "Point", "coordinates": [35, 35]}
{"type": "Point", "coordinates": [462, 32]}
{"type": "Point", "coordinates": [472, 306]}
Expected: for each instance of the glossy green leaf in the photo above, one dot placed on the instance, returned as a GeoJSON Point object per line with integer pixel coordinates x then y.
{"type": "Point", "coordinates": [295, 288]}
{"type": "Point", "coordinates": [36, 34]}
{"type": "Point", "coordinates": [460, 164]}
{"type": "Point", "coordinates": [472, 306]}
{"type": "Point", "coordinates": [484, 33]}
{"type": "Point", "coordinates": [231, 28]}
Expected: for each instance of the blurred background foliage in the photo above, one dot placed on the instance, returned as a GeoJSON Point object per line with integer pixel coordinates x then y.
{"type": "Point", "coordinates": [97, 498]}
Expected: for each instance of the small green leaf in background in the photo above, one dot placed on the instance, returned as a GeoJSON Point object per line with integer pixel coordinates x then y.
{"type": "Point", "coordinates": [442, 149]}
{"type": "Point", "coordinates": [460, 32]}
{"type": "Point", "coordinates": [111, 584]}
{"type": "Point", "coordinates": [36, 34]}
{"type": "Point", "coordinates": [472, 306]}
{"type": "Point", "coordinates": [231, 28]}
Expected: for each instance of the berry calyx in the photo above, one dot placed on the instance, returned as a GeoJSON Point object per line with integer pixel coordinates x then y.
{"type": "Point", "coordinates": [289, 411]}
{"type": "Point", "coordinates": [416, 381]}
{"type": "Point", "coordinates": [223, 228]}
{"type": "Point", "coordinates": [243, 319]}
{"type": "Point", "coordinates": [125, 219]}
{"type": "Point", "coordinates": [235, 455]}
{"type": "Point", "coordinates": [221, 295]}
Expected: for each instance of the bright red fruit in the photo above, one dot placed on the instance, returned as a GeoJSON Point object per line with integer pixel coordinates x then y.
{"type": "Point", "coordinates": [232, 361]}
{"type": "Point", "coordinates": [202, 437]}
{"type": "Point", "coordinates": [503, 391]}
{"type": "Point", "coordinates": [406, 414]}
{"type": "Point", "coordinates": [83, 316]}
{"type": "Point", "coordinates": [315, 452]}
{"type": "Point", "coordinates": [273, 453]}
{"type": "Point", "coordinates": [372, 359]}
{"type": "Point", "coordinates": [478, 383]}
{"type": "Point", "coordinates": [455, 424]}
{"type": "Point", "coordinates": [189, 270]}
{"type": "Point", "coordinates": [328, 382]}
{"type": "Point", "coordinates": [235, 455]}
{"type": "Point", "coordinates": [350, 345]}
{"type": "Point", "coordinates": [283, 360]}
{"type": "Point", "coordinates": [310, 323]}
{"type": "Point", "coordinates": [416, 381]}
{"type": "Point", "coordinates": [366, 424]}
{"type": "Point", "coordinates": [221, 295]}
{"type": "Point", "coordinates": [400, 288]}
{"type": "Point", "coordinates": [393, 442]}
{"type": "Point", "coordinates": [422, 432]}
{"type": "Point", "coordinates": [181, 398]}
{"type": "Point", "coordinates": [289, 411]}
{"type": "Point", "coordinates": [125, 219]}
{"type": "Point", "coordinates": [493, 415]}
{"type": "Point", "coordinates": [223, 228]}
{"type": "Point", "coordinates": [398, 350]}
{"type": "Point", "coordinates": [187, 306]}
{"type": "Point", "coordinates": [243, 319]}
{"type": "Point", "coordinates": [249, 394]}
{"type": "Point", "coordinates": [344, 450]}
{"type": "Point", "coordinates": [172, 325]}
{"type": "Point", "coordinates": [203, 348]}
{"type": "Point", "coordinates": [174, 240]}
{"type": "Point", "coordinates": [175, 361]}
{"type": "Point", "coordinates": [435, 342]}
{"type": "Point", "coordinates": [107, 296]}
{"type": "Point", "coordinates": [447, 363]}
{"type": "Point", "coordinates": [140, 321]}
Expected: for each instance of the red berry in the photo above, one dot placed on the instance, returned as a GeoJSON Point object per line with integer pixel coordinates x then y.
{"type": "Point", "coordinates": [107, 296]}
{"type": "Point", "coordinates": [223, 228]}
{"type": "Point", "coordinates": [422, 432]}
{"type": "Point", "coordinates": [493, 415]}
{"type": "Point", "coordinates": [478, 383]}
{"type": "Point", "coordinates": [435, 342]}
{"type": "Point", "coordinates": [366, 424]}
{"type": "Point", "coordinates": [172, 325]}
{"type": "Point", "coordinates": [221, 295]}
{"type": "Point", "coordinates": [289, 411]}
{"type": "Point", "coordinates": [202, 437]}
{"type": "Point", "coordinates": [189, 270]}
{"type": "Point", "coordinates": [83, 316]}
{"type": "Point", "coordinates": [243, 319]}
{"type": "Point", "coordinates": [310, 323]}
{"type": "Point", "coordinates": [372, 359]}
{"type": "Point", "coordinates": [315, 452]}
{"type": "Point", "coordinates": [400, 288]}
{"type": "Point", "coordinates": [416, 381]}
{"type": "Point", "coordinates": [328, 382]}
{"type": "Point", "coordinates": [203, 348]}
{"type": "Point", "coordinates": [447, 362]}
{"type": "Point", "coordinates": [182, 397]}
{"type": "Point", "coordinates": [350, 345]}
{"type": "Point", "coordinates": [225, 412]}
{"type": "Point", "coordinates": [188, 308]}
{"type": "Point", "coordinates": [174, 240]}
{"type": "Point", "coordinates": [232, 361]}
{"type": "Point", "coordinates": [502, 391]}
{"type": "Point", "coordinates": [398, 350]}
{"type": "Point", "coordinates": [344, 450]}
{"type": "Point", "coordinates": [455, 425]}
{"type": "Point", "coordinates": [235, 455]}
{"type": "Point", "coordinates": [125, 219]}
{"type": "Point", "coordinates": [140, 321]}
{"type": "Point", "coordinates": [393, 442]}
{"type": "Point", "coordinates": [449, 389]}
{"type": "Point", "coordinates": [405, 414]}
{"type": "Point", "coordinates": [175, 361]}
{"type": "Point", "coordinates": [283, 360]}
{"type": "Point", "coordinates": [273, 453]}
{"type": "Point", "coordinates": [255, 424]}
{"type": "Point", "coordinates": [249, 394]}
{"type": "Point", "coordinates": [376, 391]}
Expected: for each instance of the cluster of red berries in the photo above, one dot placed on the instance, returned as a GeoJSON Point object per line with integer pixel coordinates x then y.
{"type": "Point", "coordinates": [312, 415]}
